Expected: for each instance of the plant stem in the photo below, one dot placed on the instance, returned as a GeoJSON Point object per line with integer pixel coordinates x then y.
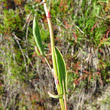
{"type": "Point", "coordinates": [47, 62]}
{"type": "Point", "coordinates": [53, 52]}
{"type": "Point", "coordinates": [64, 96]}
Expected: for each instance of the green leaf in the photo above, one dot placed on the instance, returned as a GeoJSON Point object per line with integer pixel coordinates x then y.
{"type": "Point", "coordinates": [55, 96]}
{"type": "Point", "coordinates": [37, 36]}
{"type": "Point", "coordinates": [107, 43]}
{"type": "Point", "coordinates": [104, 1]}
{"type": "Point", "coordinates": [61, 68]}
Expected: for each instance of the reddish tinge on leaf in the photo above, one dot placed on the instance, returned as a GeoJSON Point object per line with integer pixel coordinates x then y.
{"type": "Point", "coordinates": [93, 27]}
{"type": "Point", "coordinates": [107, 34]}
{"type": "Point", "coordinates": [75, 36]}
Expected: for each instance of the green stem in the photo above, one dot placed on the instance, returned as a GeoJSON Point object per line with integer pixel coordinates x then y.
{"type": "Point", "coordinates": [64, 96]}
{"type": "Point", "coordinates": [53, 52]}
{"type": "Point", "coordinates": [47, 62]}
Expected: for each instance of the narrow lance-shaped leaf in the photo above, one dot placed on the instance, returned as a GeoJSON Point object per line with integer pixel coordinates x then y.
{"type": "Point", "coordinates": [61, 68]}
{"type": "Point", "coordinates": [37, 36]}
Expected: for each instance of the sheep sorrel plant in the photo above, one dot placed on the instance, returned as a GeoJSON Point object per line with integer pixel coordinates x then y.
{"type": "Point", "coordinates": [59, 67]}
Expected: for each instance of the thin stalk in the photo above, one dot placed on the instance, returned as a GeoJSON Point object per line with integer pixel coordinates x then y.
{"type": "Point", "coordinates": [53, 52]}
{"type": "Point", "coordinates": [47, 62]}
{"type": "Point", "coordinates": [64, 96]}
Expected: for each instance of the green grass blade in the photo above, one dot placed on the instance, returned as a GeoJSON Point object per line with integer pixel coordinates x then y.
{"type": "Point", "coordinates": [37, 36]}
{"type": "Point", "coordinates": [107, 43]}
{"type": "Point", "coordinates": [61, 67]}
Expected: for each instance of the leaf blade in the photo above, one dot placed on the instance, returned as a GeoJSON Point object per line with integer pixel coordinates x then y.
{"type": "Point", "coordinates": [37, 36]}
{"type": "Point", "coordinates": [61, 67]}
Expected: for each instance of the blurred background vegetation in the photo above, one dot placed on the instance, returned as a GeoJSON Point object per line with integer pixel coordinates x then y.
{"type": "Point", "coordinates": [82, 33]}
